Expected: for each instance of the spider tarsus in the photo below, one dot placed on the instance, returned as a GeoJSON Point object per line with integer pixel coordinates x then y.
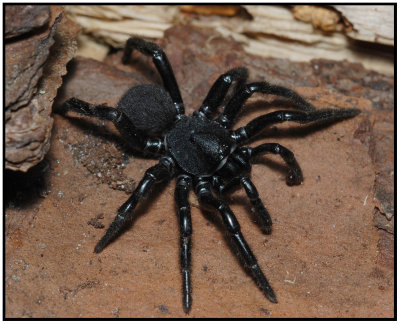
{"type": "Point", "coordinates": [98, 248]}
{"type": "Point", "coordinates": [294, 177]}
{"type": "Point", "coordinates": [187, 303]}
{"type": "Point", "coordinates": [69, 104]}
{"type": "Point", "coordinates": [111, 233]}
{"type": "Point", "coordinates": [263, 283]}
{"type": "Point", "coordinates": [266, 229]}
{"type": "Point", "coordinates": [348, 113]}
{"type": "Point", "coordinates": [335, 114]}
{"type": "Point", "coordinates": [271, 296]}
{"type": "Point", "coordinates": [264, 218]}
{"type": "Point", "coordinates": [104, 241]}
{"type": "Point", "coordinates": [100, 245]}
{"type": "Point", "coordinates": [263, 215]}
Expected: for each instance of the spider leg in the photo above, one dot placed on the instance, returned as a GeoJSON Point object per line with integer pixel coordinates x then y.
{"type": "Point", "coordinates": [205, 197]}
{"type": "Point", "coordinates": [264, 217]}
{"type": "Point", "coordinates": [259, 208]}
{"type": "Point", "coordinates": [227, 118]}
{"type": "Point", "coordinates": [220, 88]}
{"type": "Point", "coordinates": [157, 173]}
{"type": "Point", "coordinates": [258, 124]}
{"type": "Point", "coordinates": [137, 139]}
{"type": "Point", "coordinates": [222, 187]}
{"type": "Point", "coordinates": [294, 176]}
{"type": "Point", "coordinates": [238, 167]}
{"type": "Point", "coordinates": [162, 64]}
{"type": "Point", "coordinates": [88, 109]}
{"type": "Point", "coordinates": [183, 185]}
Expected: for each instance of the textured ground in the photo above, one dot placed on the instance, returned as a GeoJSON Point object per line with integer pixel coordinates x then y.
{"type": "Point", "coordinates": [325, 257]}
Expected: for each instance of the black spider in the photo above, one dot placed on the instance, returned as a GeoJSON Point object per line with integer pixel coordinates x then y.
{"type": "Point", "coordinates": [200, 152]}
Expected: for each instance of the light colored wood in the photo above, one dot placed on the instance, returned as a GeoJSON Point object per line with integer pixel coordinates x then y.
{"type": "Point", "coordinates": [371, 23]}
{"type": "Point", "coordinates": [298, 33]}
{"type": "Point", "coordinates": [322, 18]}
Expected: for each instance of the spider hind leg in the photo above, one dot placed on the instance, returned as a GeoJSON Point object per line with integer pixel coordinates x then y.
{"type": "Point", "coordinates": [87, 109]}
{"type": "Point", "coordinates": [162, 64]}
{"type": "Point", "coordinates": [259, 208]}
{"type": "Point", "coordinates": [205, 197]}
{"type": "Point", "coordinates": [263, 216]}
{"type": "Point", "coordinates": [183, 185]}
{"type": "Point", "coordinates": [138, 140]}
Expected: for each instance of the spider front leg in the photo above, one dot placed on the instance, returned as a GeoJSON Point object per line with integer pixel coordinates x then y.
{"type": "Point", "coordinates": [183, 185]}
{"type": "Point", "coordinates": [233, 107]}
{"type": "Point", "coordinates": [162, 64]}
{"type": "Point", "coordinates": [205, 197]}
{"type": "Point", "coordinates": [220, 88]}
{"type": "Point", "coordinates": [133, 137]}
{"type": "Point", "coordinates": [161, 171]}
{"type": "Point", "coordinates": [258, 124]}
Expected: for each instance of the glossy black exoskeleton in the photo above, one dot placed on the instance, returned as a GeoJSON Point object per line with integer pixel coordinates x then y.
{"type": "Point", "coordinates": [201, 151]}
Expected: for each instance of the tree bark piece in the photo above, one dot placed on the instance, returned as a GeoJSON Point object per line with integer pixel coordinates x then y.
{"type": "Point", "coordinates": [34, 68]}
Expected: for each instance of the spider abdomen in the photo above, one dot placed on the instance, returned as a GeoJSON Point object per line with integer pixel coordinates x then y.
{"type": "Point", "coordinates": [149, 108]}
{"type": "Point", "coordinates": [199, 146]}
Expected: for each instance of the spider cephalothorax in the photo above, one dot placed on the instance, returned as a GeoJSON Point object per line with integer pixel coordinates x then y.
{"type": "Point", "coordinates": [201, 151]}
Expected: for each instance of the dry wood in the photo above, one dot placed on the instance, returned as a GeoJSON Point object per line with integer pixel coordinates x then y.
{"type": "Point", "coordinates": [298, 33]}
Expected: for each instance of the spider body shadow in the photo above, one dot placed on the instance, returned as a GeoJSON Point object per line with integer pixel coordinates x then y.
{"type": "Point", "coordinates": [201, 151]}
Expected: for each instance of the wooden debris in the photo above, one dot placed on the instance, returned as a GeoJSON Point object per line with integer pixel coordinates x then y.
{"type": "Point", "coordinates": [299, 33]}
{"type": "Point", "coordinates": [35, 65]}
{"type": "Point", "coordinates": [221, 10]}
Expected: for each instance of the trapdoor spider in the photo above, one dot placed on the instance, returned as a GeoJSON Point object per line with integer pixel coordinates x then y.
{"type": "Point", "coordinates": [200, 151]}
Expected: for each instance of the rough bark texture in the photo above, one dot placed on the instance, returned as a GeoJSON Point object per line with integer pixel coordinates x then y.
{"type": "Point", "coordinates": [321, 257]}
{"type": "Point", "coordinates": [35, 64]}
{"type": "Point", "coordinates": [22, 19]}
